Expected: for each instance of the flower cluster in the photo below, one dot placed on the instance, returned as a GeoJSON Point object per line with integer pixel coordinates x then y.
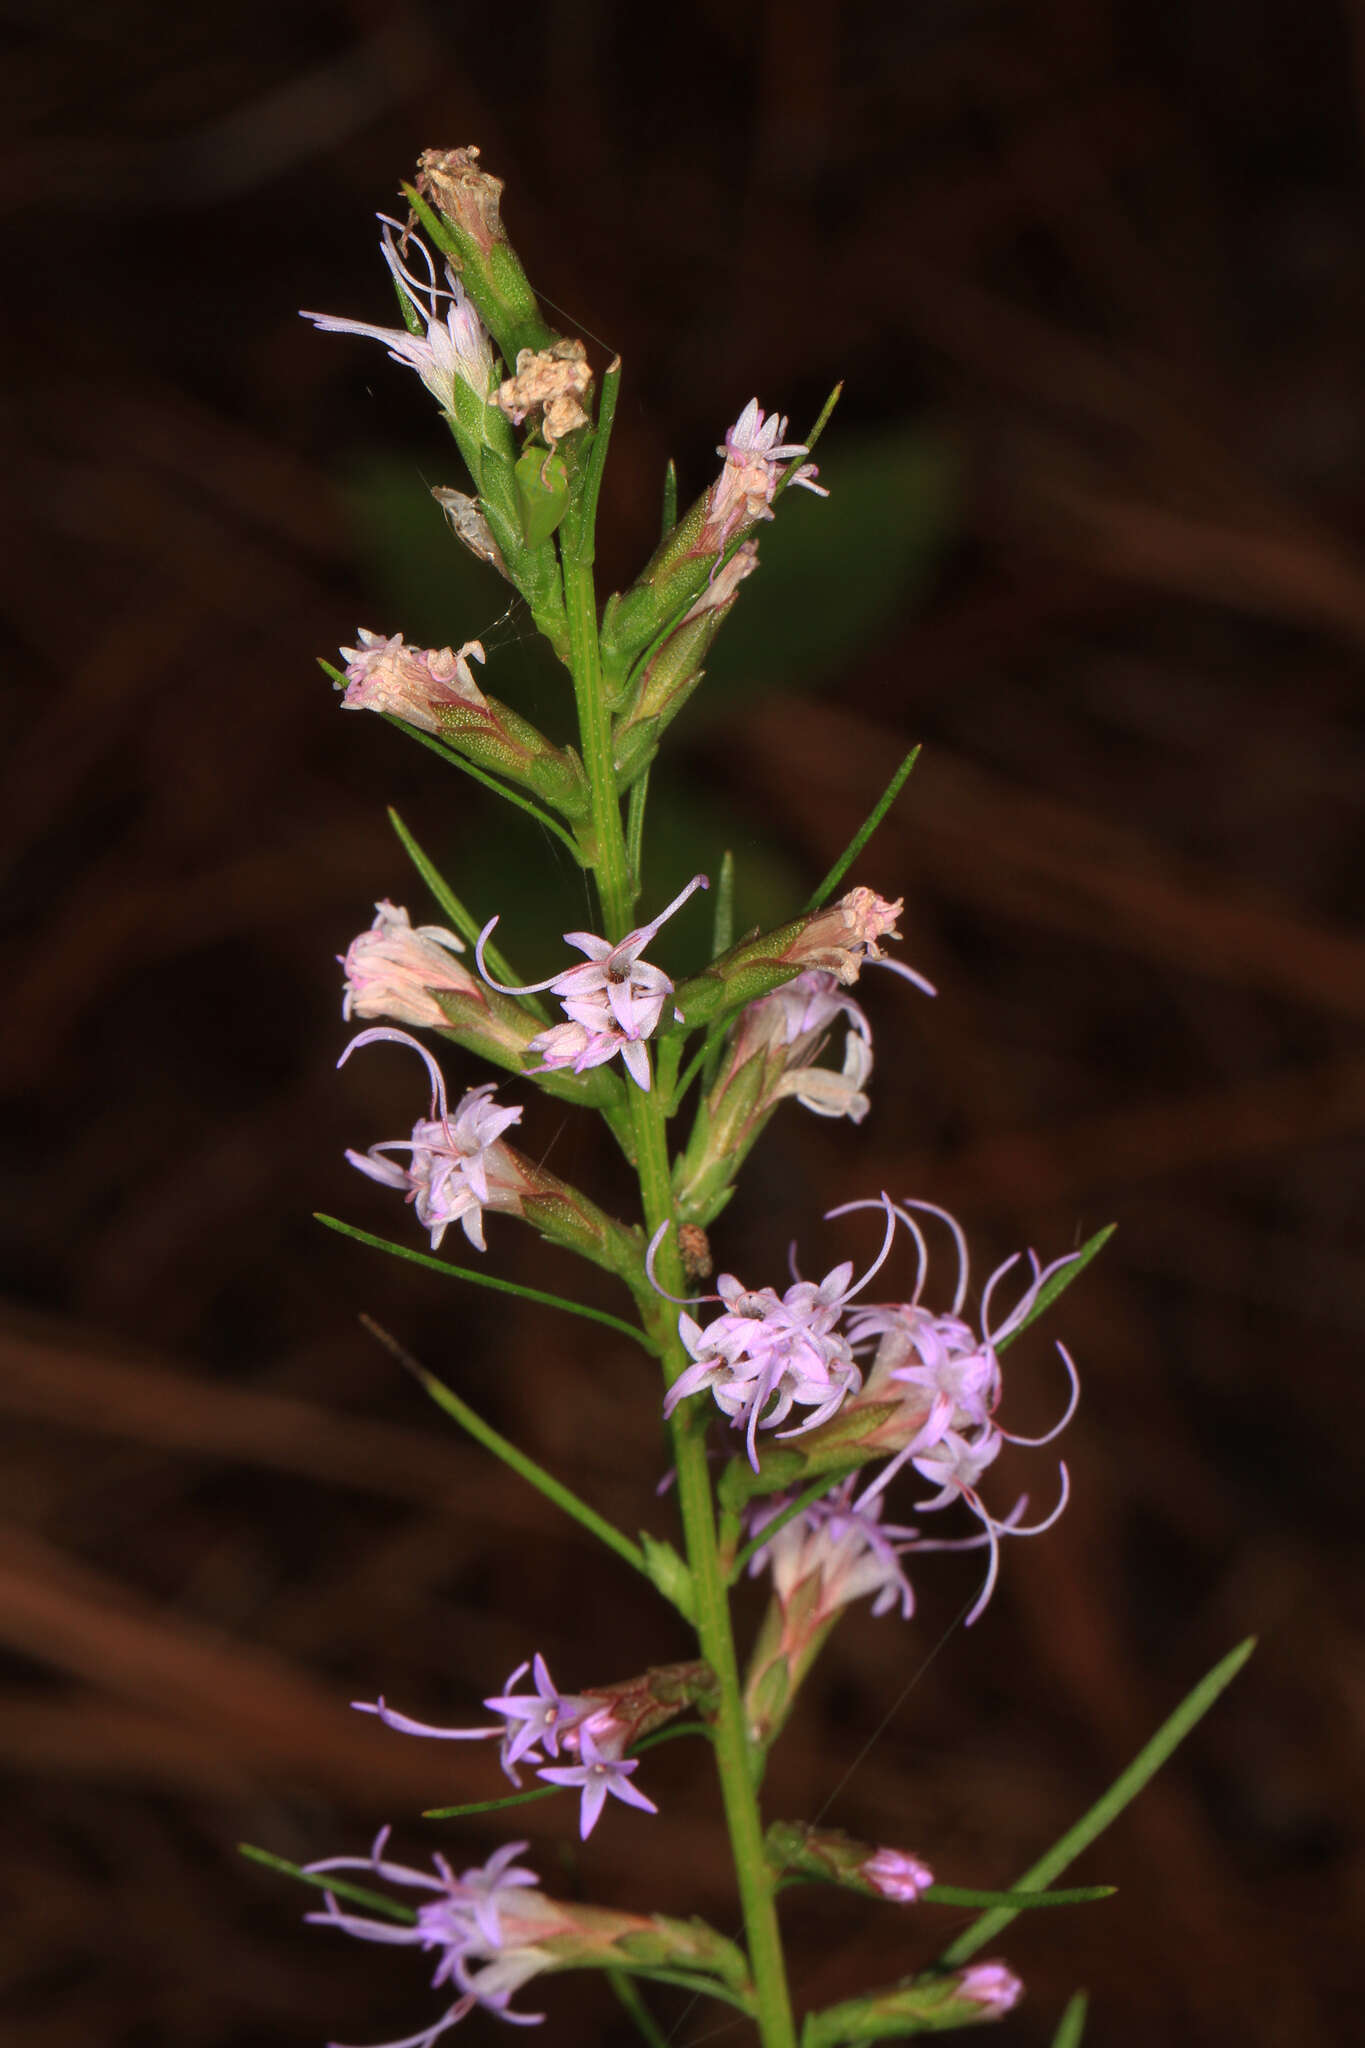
{"type": "Point", "coordinates": [768, 1353]}
{"type": "Point", "coordinates": [534, 1725]}
{"type": "Point", "coordinates": [456, 1167]}
{"type": "Point", "coordinates": [765, 1353]}
{"type": "Point", "coordinates": [612, 1003]}
{"type": "Point", "coordinates": [482, 1926]}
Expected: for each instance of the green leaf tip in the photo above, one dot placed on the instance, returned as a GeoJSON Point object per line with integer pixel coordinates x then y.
{"type": "Point", "coordinates": [326, 1881]}
{"type": "Point", "coordinates": [864, 832]}
{"type": "Point", "coordinates": [1061, 1280]}
{"type": "Point", "coordinates": [1072, 2024]}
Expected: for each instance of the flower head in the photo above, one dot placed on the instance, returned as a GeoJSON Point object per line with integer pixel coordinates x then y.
{"type": "Point", "coordinates": [765, 1353]}
{"type": "Point", "coordinates": [454, 347]}
{"type": "Point", "coordinates": [488, 1916]}
{"type": "Point", "coordinates": [394, 967]}
{"type": "Point", "coordinates": [410, 682]}
{"type": "Point", "coordinates": [457, 1166]}
{"type": "Point", "coordinates": [755, 456]}
{"type": "Point", "coordinates": [613, 1002]}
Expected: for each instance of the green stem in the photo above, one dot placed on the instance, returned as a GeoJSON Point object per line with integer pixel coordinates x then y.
{"type": "Point", "coordinates": [734, 1759]}
{"type": "Point", "coordinates": [735, 1763]}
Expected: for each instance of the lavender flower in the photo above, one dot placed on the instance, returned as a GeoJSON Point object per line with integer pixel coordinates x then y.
{"type": "Point", "coordinates": [598, 1774]}
{"type": "Point", "coordinates": [457, 1166]}
{"type": "Point", "coordinates": [454, 349]}
{"type": "Point", "coordinates": [469, 1921]}
{"type": "Point", "coordinates": [545, 1716]}
{"type": "Point", "coordinates": [613, 1001]}
{"type": "Point", "coordinates": [767, 1354]}
{"type": "Point", "coordinates": [755, 453]}
{"type": "Point", "coordinates": [392, 969]}
{"type": "Point", "coordinates": [410, 682]}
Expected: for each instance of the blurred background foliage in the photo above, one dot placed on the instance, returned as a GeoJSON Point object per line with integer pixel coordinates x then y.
{"type": "Point", "coordinates": [1095, 278]}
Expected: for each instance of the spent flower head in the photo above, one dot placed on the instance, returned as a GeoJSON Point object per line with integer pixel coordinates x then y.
{"type": "Point", "coordinates": [392, 969]}
{"type": "Point", "coordinates": [386, 675]}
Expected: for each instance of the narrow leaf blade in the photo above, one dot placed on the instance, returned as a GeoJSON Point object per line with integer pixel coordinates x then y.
{"type": "Point", "coordinates": [478, 1279]}
{"type": "Point", "coordinates": [1106, 1809]}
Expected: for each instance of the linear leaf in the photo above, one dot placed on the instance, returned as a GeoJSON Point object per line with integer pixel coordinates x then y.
{"type": "Point", "coordinates": [324, 1881]}
{"type": "Point", "coordinates": [864, 832]}
{"type": "Point", "coordinates": [478, 1279]}
{"type": "Point", "coordinates": [1125, 1788]}
{"type": "Point", "coordinates": [525, 1468]}
{"type": "Point", "coordinates": [1059, 1282]}
{"type": "Point", "coordinates": [464, 923]}
{"type": "Point", "coordinates": [1072, 2024]}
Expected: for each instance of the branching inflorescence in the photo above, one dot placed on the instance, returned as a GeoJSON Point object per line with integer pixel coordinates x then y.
{"type": "Point", "coordinates": [826, 1399]}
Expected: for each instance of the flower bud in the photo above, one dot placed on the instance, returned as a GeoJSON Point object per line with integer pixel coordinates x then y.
{"type": "Point", "coordinates": [837, 1858]}
{"type": "Point", "coordinates": [935, 2002]}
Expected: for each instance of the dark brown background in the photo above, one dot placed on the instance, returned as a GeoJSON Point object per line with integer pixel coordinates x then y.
{"type": "Point", "coordinates": [1094, 274]}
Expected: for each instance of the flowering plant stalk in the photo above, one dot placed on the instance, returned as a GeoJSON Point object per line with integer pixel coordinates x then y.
{"type": "Point", "coordinates": [824, 1399]}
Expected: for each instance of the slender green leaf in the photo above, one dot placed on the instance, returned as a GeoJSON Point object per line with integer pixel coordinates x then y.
{"type": "Point", "coordinates": [864, 832]}
{"type": "Point", "coordinates": [686, 1980]}
{"type": "Point", "coordinates": [525, 1468]}
{"type": "Point", "coordinates": [1019, 1902]}
{"type": "Point", "coordinates": [325, 1881]}
{"type": "Point", "coordinates": [492, 1805]}
{"type": "Point", "coordinates": [502, 789]}
{"type": "Point", "coordinates": [463, 921]}
{"type": "Point", "coordinates": [723, 923]}
{"type": "Point", "coordinates": [1125, 1788]}
{"type": "Point", "coordinates": [670, 506]}
{"type": "Point", "coordinates": [478, 1279]}
{"type": "Point", "coordinates": [635, 827]}
{"type": "Point", "coordinates": [1059, 1282]}
{"type": "Point", "coordinates": [674, 1734]}
{"type": "Point", "coordinates": [1072, 2024]}
{"type": "Point", "coordinates": [582, 521]}
{"type": "Point", "coordinates": [636, 2007]}
{"type": "Point", "coordinates": [822, 420]}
